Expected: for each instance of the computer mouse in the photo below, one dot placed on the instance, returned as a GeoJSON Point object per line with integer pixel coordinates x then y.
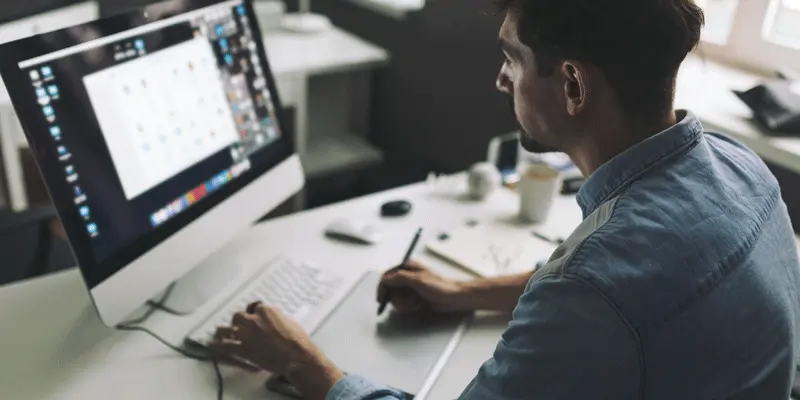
{"type": "Point", "coordinates": [395, 208]}
{"type": "Point", "coordinates": [353, 231]}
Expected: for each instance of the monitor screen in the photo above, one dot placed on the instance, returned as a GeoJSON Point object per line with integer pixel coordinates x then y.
{"type": "Point", "coordinates": [142, 122]}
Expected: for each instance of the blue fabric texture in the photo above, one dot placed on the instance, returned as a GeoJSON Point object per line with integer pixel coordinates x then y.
{"type": "Point", "coordinates": [689, 289]}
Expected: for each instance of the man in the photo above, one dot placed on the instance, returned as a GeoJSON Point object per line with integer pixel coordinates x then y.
{"type": "Point", "coordinates": [683, 280]}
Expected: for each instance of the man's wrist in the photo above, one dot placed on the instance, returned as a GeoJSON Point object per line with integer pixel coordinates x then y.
{"type": "Point", "coordinates": [468, 295]}
{"type": "Point", "coordinates": [314, 375]}
{"type": "Point", "coordinates": [493, 294]}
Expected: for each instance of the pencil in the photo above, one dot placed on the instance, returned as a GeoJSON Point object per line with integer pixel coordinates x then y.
{"type": "Point", "coordinates": [404, 265]}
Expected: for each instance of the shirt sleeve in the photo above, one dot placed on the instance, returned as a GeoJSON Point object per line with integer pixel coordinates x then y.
{"type": "Point", "coordinates": [566, 340]}
{"type": "Point", "coordinates": [354, 387]}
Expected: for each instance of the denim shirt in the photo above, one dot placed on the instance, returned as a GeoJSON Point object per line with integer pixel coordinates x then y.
{"type": "Point", "coordinates": [682, 282]}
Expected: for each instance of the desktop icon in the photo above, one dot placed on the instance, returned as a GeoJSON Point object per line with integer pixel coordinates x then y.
{"type": "Point", "coordinates": [44, 100]}
{"type": "Point", "coordinates": [40, 92]}
{"type": "Point", "coordinates": [63, 153]}
{"type": "Point", "coordinates": [55, 131]}
{"type": "Point", "coordinates": [139, 44]}
{"type": "Point", "coordinates": [52, 90]}
{"type": "Point", "coordinates": [223, 44]}
{"type": "Point", "coordinates": [35, 75]}
{"type": "Point", "coordinates": [228, 59]}
{"type": "Point", "coordinates": [163, 216]}
{"type": "Point", "coordinates": [241, 10]}
{"type": "Point", "coordinates": [175, 207]}
{"type": "Point", "coordinates": [84, 211]}
{"type": "Point", "coordinates": [48, 111]}
{"type": "Point", "coordinates": [220, 30]}
{"type": "Point", "coordinates": [92, 229]}
{"type": "Point", "coordinates": [70, 169]}
{"type": "Point", "coordinates": [47, 72]}
{"type": "Point", "coordinates": [79, 196]}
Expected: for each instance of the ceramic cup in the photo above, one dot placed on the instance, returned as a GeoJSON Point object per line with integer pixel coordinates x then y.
{"type": "Point", "coordinates": [538, 187]}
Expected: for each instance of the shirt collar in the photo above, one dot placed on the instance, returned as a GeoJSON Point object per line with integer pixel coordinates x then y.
{"type": "Point", "coordinates": [607, 180]}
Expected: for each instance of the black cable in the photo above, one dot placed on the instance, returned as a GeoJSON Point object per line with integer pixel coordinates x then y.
{"type": "Point", "coordinates": [160, 306]}
{"type": "Point", "coordinates": [133, 326]}
{"type": "Point", "coordinates": [150, 311]}
{"type": "Point", "coordinates": [219, 378]}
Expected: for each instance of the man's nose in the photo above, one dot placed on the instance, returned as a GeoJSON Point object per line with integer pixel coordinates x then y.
{"type": "Point", "coordinates": [502, 83]}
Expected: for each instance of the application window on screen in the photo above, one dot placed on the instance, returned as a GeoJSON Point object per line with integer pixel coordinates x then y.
{"type": "Point", "coordinates": [169, 121]}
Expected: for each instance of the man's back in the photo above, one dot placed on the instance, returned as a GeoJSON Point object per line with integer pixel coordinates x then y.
{"type": "Point", "coordinates": [688, 248]}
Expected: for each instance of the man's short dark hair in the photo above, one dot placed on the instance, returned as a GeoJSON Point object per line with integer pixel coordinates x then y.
{"type": "Point", "coordinates": [638, 44]}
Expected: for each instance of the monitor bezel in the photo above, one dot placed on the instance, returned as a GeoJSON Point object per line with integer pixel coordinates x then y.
{"type": "Point", "coordinates": [18, 86]}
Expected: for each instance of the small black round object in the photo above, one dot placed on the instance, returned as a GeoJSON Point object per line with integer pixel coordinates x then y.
{"type": "Point", "coordinates": [395, 208]}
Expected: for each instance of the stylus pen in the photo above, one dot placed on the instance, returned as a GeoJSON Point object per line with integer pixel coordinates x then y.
{"type": "Point", "coordinates": [404, 265]}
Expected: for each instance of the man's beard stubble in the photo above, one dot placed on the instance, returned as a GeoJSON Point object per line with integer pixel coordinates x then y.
{"type": "Point", "coordinates": [529, 143]}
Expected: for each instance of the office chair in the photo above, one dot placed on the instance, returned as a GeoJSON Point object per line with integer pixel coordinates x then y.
{"type": "Point", "coordinates": [29, 247]}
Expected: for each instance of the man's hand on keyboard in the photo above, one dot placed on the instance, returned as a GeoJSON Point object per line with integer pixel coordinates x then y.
{"type": "Point", "coordinates": [263, 336]}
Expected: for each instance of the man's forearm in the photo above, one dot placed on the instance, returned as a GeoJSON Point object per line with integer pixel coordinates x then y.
{"type": "Point", "coordinates": [495, 294]}
{"type": "Point", "coordinates": [314, 375]}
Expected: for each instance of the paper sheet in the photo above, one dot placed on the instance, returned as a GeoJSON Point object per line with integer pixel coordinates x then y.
{"type": "Point", "coordinates": [491, 249]}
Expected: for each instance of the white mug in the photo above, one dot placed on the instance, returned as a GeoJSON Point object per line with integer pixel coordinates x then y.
{"type": "Point", "coordinates": [484, 178]}
{"type": "Point", "coordinates": [538, 187]}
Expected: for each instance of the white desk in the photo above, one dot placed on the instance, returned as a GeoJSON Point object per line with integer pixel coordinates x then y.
{"type": "Point", "coordinates": [53, 346]}
{"type": "Point", "coordinates": [295, 59]}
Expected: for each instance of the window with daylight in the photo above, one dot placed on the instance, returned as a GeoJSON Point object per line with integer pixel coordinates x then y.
{"type": "Point", "coordinates": [764, 34]}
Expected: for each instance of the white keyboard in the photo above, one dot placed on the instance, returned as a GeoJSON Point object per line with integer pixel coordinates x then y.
{"type": "Point", "coordinates": [293, 287]}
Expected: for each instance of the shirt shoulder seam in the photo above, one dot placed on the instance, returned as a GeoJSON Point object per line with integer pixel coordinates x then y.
{"type": "Point", "coordinates": [563, 272]}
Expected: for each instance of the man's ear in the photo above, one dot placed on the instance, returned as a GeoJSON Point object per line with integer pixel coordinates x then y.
{"type": "Point", "coordinates": [576, 86]}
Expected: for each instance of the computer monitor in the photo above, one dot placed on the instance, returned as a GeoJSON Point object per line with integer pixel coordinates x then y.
{"type": "Point", "coordinates": [158, 134]}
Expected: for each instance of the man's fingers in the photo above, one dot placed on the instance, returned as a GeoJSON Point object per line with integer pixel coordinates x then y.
{"type": "Point", "coordinates": [414, 266]}
{"type": "Point", "coordinates": [228, 352]}
{"type": "Point", "coordinates": [225, 347]}
{"type": "Point", "coordinates": [401, 278]}
{"type": "Point", "coordinates": [251, 309]}
{"type": "Point", "coordinates": [397, 277]}
{"type": "Point", "coordinates": [226, 332]}
{"type": "Point", "coordinates": [381, 292]}
{"type": "Point", "coordinates": [406, 303]}
{"type": "Point", "coordinates": [241, 319]}
{"type": "Point", "coordinates": [266, 313]}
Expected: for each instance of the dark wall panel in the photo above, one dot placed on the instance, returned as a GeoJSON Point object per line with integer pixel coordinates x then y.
{"type": "Point", "coordinates": [11, 10]}
{"type": "Point", "coordinates": [436, 101]}
{"type": "Point", "coordinates": [790, 190]}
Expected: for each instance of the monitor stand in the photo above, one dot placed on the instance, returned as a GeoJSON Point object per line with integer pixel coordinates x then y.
{"type": "Point", "coordinates": [199, 285]}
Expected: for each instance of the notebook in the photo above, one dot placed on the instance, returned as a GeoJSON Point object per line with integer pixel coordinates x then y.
{"type": "Point", "coordinates": [491, 249]}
